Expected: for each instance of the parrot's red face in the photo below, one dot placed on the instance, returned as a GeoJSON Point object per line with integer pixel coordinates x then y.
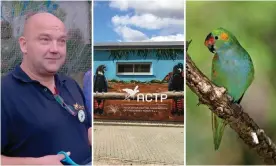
{"type": "Point", "coordinates": [210, 42]}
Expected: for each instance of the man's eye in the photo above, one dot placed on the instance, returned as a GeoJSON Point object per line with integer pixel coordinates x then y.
{"type": "Point", "coordinates": [44, 39]}
{"type": "Point", "coordinates": [62, 41]}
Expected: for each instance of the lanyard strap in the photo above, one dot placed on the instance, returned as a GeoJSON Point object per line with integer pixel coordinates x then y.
{"type": "Point", "coordinates": [60, 100]}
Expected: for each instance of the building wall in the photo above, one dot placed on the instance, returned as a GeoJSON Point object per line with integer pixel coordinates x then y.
{"type": "Point", "coordinates": [160, 68]}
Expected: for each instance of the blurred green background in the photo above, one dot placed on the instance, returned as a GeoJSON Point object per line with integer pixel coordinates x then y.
{"type": "Point", "coordinates": [254, 25]}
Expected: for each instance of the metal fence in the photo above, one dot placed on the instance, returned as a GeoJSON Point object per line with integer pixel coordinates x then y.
{"type": "Point", "coordinates": [77, 19]}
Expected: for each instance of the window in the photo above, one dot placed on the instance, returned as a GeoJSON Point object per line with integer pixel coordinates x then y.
{"type": "Point", "coordinates": [138, 68]}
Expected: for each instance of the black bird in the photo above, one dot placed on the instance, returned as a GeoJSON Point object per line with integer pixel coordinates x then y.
{"type": "Point", "coordinates": [176, 83]}
{"type": "Point", "coordinates": [100, 85]}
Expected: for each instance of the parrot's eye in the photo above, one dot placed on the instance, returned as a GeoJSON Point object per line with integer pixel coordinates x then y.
{"type": "Point", "coordinates": [216, 37]}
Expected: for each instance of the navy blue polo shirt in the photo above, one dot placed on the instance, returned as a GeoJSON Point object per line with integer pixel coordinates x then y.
{"type": "Point", "coordinates": [34, 124]}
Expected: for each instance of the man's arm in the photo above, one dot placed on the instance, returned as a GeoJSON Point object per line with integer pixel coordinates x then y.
{"type": "Point", "coordinates": [18, 160]}
{"type": "Point", "coordinates": [45, 160]}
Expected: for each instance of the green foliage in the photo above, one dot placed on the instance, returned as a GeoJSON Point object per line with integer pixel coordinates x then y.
{"type": "Point", "coordinates": [136, 81]}
{"type": "Point", "coordinates": [253, 23]}
{"type": "Point", "coordinates": [114, 80]}
{"type": "Point", "coordinates": [156, 81]}
{"type": "Point", "coordinates": [166, 54]}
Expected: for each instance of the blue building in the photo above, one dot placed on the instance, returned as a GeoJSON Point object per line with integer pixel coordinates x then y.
{"type": "Point", "coordinates": [141, 61]}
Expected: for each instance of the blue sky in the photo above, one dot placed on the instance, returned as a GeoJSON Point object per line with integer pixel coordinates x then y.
{"type": "Point", "coordinates": [127, 20]}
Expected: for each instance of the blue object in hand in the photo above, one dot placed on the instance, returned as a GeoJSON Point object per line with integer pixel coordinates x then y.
{"type": "Point", "coordinates": [67, 159]}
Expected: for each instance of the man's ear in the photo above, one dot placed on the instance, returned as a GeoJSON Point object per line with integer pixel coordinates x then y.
{"type": "Point", "coordinates": [23, 44]}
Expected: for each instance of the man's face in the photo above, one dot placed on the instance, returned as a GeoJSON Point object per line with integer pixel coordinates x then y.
{"type": "Point", "coordinates": [46, 45]}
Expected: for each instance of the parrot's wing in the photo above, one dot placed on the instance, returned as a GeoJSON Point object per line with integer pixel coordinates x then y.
{"type": "Point", "coordinates": [218, 126]}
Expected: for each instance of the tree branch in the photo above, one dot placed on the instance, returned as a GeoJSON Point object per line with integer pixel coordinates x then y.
{"type": "Point", "coordinates": [149, 96]}
{"type": "Point", "coordinates": [219, 102]}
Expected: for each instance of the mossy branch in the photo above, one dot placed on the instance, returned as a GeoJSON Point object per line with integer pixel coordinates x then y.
{"type": "Point", "coordinates": [219, 102]}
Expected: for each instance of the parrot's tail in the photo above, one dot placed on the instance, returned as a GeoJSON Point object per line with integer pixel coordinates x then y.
{"type": "Point", "coordinates": [218, 126]}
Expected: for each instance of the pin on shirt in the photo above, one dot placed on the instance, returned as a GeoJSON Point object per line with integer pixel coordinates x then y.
{"type": "Point", "coordinates": [81, 115]}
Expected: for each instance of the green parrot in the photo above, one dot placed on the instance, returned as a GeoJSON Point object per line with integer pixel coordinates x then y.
{"type": "Point", "coordinates": [232, 68]}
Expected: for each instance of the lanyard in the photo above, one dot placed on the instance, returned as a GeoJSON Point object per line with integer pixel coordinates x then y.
{"type": "Point", "coordinates": [60, 100]}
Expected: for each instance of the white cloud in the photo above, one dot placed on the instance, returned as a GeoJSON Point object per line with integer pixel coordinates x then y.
{"type": "Point", "coordinates": [177, 37]}
{"type": "Point", "coordinates": [163, 15]}
{"type": "Point", "coordinates": [147, 21]}
{"type": "Point", "coordinates": [129, 34]}
{"type": "Point", "coordinates": [161, 8]}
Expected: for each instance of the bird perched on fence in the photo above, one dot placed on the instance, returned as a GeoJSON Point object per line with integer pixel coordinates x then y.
{"type": "Point", "coordinates": [100, 85]}
{"type": "Point", "coordinates": [176, 83]}
{"type": "Point", "coordinates": [232, 68]}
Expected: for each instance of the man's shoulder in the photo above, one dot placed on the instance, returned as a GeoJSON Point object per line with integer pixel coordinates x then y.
{"type": "Point", "coordinates": [7, 81]}
{"type": "Point", "coordinates": [9, 89]}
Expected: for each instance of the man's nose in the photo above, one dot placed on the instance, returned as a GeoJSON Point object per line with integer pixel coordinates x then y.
{"type": "Point", "coordinates": [54, 47]}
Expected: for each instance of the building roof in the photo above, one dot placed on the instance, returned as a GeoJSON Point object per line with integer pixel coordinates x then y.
{"type": "Point", "coordinates": [139, 45]}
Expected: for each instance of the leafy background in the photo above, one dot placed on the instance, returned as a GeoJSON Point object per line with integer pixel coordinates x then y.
{"type": "Point", "coordinates": [254, 24]}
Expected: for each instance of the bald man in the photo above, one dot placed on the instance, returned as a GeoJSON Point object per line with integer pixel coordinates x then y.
{"type": "Point", "coordinates": [42, 112]}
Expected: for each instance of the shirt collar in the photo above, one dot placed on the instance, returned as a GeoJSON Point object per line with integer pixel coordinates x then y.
{"type": "Point", "coordinates": [19, 74]}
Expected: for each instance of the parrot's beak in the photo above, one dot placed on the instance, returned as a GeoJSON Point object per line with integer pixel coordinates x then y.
{"type": "Point", "coordinates": [210, 42]}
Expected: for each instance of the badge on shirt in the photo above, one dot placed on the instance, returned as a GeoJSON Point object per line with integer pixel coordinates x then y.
{"type": "Point", "coordinates": [81, 114]}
